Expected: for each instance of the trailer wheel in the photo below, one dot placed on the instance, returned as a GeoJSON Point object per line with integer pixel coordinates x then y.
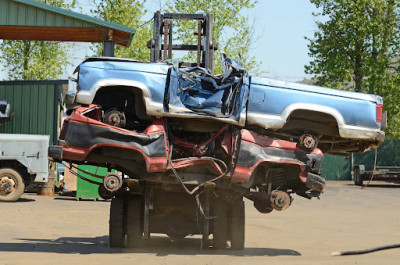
{"type": "Point", "coordinates": [134, 222]}
{"type": "Point", "coordinates": [220, 233]}
{"type": "Point", "coordinates": [11, 185]}
{"type": "Point", "coordinates": [237, 226]}
{"type": "Point", "coordinates": [358, 180]}
{"type": "Point", "coordinates": [116, 225]}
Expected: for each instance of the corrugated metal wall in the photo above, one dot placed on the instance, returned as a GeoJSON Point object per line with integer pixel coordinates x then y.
{"type": "Point", "coordinates": [14, 14]}
{"type": "Point", "coordinates": [36, 107]}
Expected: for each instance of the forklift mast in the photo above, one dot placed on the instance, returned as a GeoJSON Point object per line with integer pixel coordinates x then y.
{"type": "Point", "coordinates": [161, 46]}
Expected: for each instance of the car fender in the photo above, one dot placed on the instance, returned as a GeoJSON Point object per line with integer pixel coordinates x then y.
{"type": "Point", "coordinates": [152, 108]}
{"type": "Point", "coordinates": [270, 121]}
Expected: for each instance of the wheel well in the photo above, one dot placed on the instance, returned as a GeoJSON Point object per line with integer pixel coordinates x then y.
{"type": "Point", "coordinates": [280, 175]}
{"type": "Point", "coordinates": [128, 161]}
{"type": "Point", "coordinates": [125, 98]}
{"type": "Point", "coordinates": [314, 121]}
{"type": "Point", "coordinates": [15, 164]}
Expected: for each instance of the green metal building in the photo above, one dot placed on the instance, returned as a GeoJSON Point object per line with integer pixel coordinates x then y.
{"type": "Point", "coordinates": [37, 107]}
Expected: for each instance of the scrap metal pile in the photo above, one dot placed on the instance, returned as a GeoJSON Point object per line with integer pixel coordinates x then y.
{"type": "Point", "coordinates": [191, 145]}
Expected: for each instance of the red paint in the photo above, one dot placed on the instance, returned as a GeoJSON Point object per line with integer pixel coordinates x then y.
{"type": "Point", "coordinates": [153, 164]}
{"type": "Point", "coordinates": [160, 164]}
{"type": "Point", "coordinates": [192, 162]}
{"type": "Point", "coordinates": [79, 116]}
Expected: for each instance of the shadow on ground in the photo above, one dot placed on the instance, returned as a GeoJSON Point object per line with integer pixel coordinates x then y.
{"type": "Point", "coordinates": [161, 246]}
{"type": "Point", "coordinates": [24, 200]}
{"type": "Point", "coordinates": [372, 185]}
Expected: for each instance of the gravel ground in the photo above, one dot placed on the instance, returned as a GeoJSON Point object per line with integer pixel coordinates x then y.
{"type": "Point", "coordinates": [62, 230]}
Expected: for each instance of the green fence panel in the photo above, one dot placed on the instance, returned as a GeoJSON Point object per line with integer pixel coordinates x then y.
{"type": "Point", "coordinates": [336, 168]}
{"type": "Point", "coordinates": [339, 168]}
{"type": "Point", "coordinates": [36, 106]}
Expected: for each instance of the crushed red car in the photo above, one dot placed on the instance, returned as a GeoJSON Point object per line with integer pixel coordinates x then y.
{"type": "Point", "coordinates": [241, 156]}
{"type": "Point", "coordinates": [188, 172]}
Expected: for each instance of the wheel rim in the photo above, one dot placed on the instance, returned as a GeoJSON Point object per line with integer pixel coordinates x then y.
{"type": "Point", "coordinates": [8, 185]}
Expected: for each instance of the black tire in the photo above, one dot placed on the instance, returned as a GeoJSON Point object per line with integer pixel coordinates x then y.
{"type": "Point", "coordinates": [237, 226]}
{"type": "Point", "coordinates": [262, 208]}
{"type": "Point", "coordinates": [315, 182]}
{"type": "Point", "coordinates": [358, 180]}
{"type": "Point", "coordinates": [220, 232]}
{"type": "Point", "coordinates": [134, 221]}
{"type": "Point", "coordinates": [117, 224]}
{"type": "Point", "coordinates": [13, 181]}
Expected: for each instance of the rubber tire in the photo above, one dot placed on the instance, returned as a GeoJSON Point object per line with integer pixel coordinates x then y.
{"type": "Point", "coordinates": [19, 185]}
{"type": "Point", "coordinates": [315, 182]}
{"type": "Point", "coordinates": [134, 221]}
{"type": "Point", "coordinates": [237, 226]}
{"type": "Point", "coordinates": [117, 224]}
{"type": "Point", "coordinates": [358, 180]}
{"type": "Point", "coordinates": [220, 232]}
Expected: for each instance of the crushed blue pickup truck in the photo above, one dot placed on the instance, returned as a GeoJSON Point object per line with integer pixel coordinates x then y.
{"type": "Point", "coordinates": [336, 120]}
{"type": "Point", "coordinates": [191, 145]}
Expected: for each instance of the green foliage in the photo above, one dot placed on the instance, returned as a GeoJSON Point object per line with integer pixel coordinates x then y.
{"type": "Point", "coordinates": [231, 29]}
{"type": "Point", "coordinates": [356, 47]}
{"type": "Point", "coordinates": [127, 13]}
{"type": "Point", "coordinates": [35, 60]}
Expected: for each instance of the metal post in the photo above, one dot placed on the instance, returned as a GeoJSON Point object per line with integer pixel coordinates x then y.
{"type": "Point", "coordinates": [352, 166]}
{"type": "Point", "coordinates": [156, 53]}
{"type": "Point", "coordinates": [108, 49]}
{"type": "Point", "coordinates": [206, 226]}
{"type": "Point", "coordinates": [148, 205]}
{"type": "Point", "coordinates": [165, 32]}
{"type": "Point", "coordinates": [199, 27]}
{"type": "Point", "coordinates": [209, 43]}
{"type": "Point", "coordinates": [170, 40]}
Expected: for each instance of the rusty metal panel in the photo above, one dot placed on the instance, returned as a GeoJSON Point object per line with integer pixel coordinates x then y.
{"type": "Point", "coordinates": [36, 106]}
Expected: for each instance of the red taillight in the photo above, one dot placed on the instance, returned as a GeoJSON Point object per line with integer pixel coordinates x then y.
{"type": "Point", "coordinates": [378, 113]}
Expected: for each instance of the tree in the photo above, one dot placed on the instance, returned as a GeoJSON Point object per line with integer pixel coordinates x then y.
{"type": "Point", "coordinates": [35, 60]}
{"type": "Point", "coordinates": [231, 29]}
{"type": "Point", "coordinates": [356, 47]}
{"type": "Point", "coordinates": [127, 13]}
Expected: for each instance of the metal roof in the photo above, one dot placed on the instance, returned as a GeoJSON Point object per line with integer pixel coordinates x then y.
{"type": "Point", "coordinates": [32, 20]}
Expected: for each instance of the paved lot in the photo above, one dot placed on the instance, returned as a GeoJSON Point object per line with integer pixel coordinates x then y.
{"type": "Point", "coordinates": [59, 230]}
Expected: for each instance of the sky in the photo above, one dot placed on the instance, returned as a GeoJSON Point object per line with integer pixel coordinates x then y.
{"type": "Point", "coordinates": [281, 46]}
{"type": "Point", "coordinates": [280, 27]}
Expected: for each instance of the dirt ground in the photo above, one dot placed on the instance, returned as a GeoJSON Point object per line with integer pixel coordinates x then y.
{"type": "Point", "coordinates": [61, 230]}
